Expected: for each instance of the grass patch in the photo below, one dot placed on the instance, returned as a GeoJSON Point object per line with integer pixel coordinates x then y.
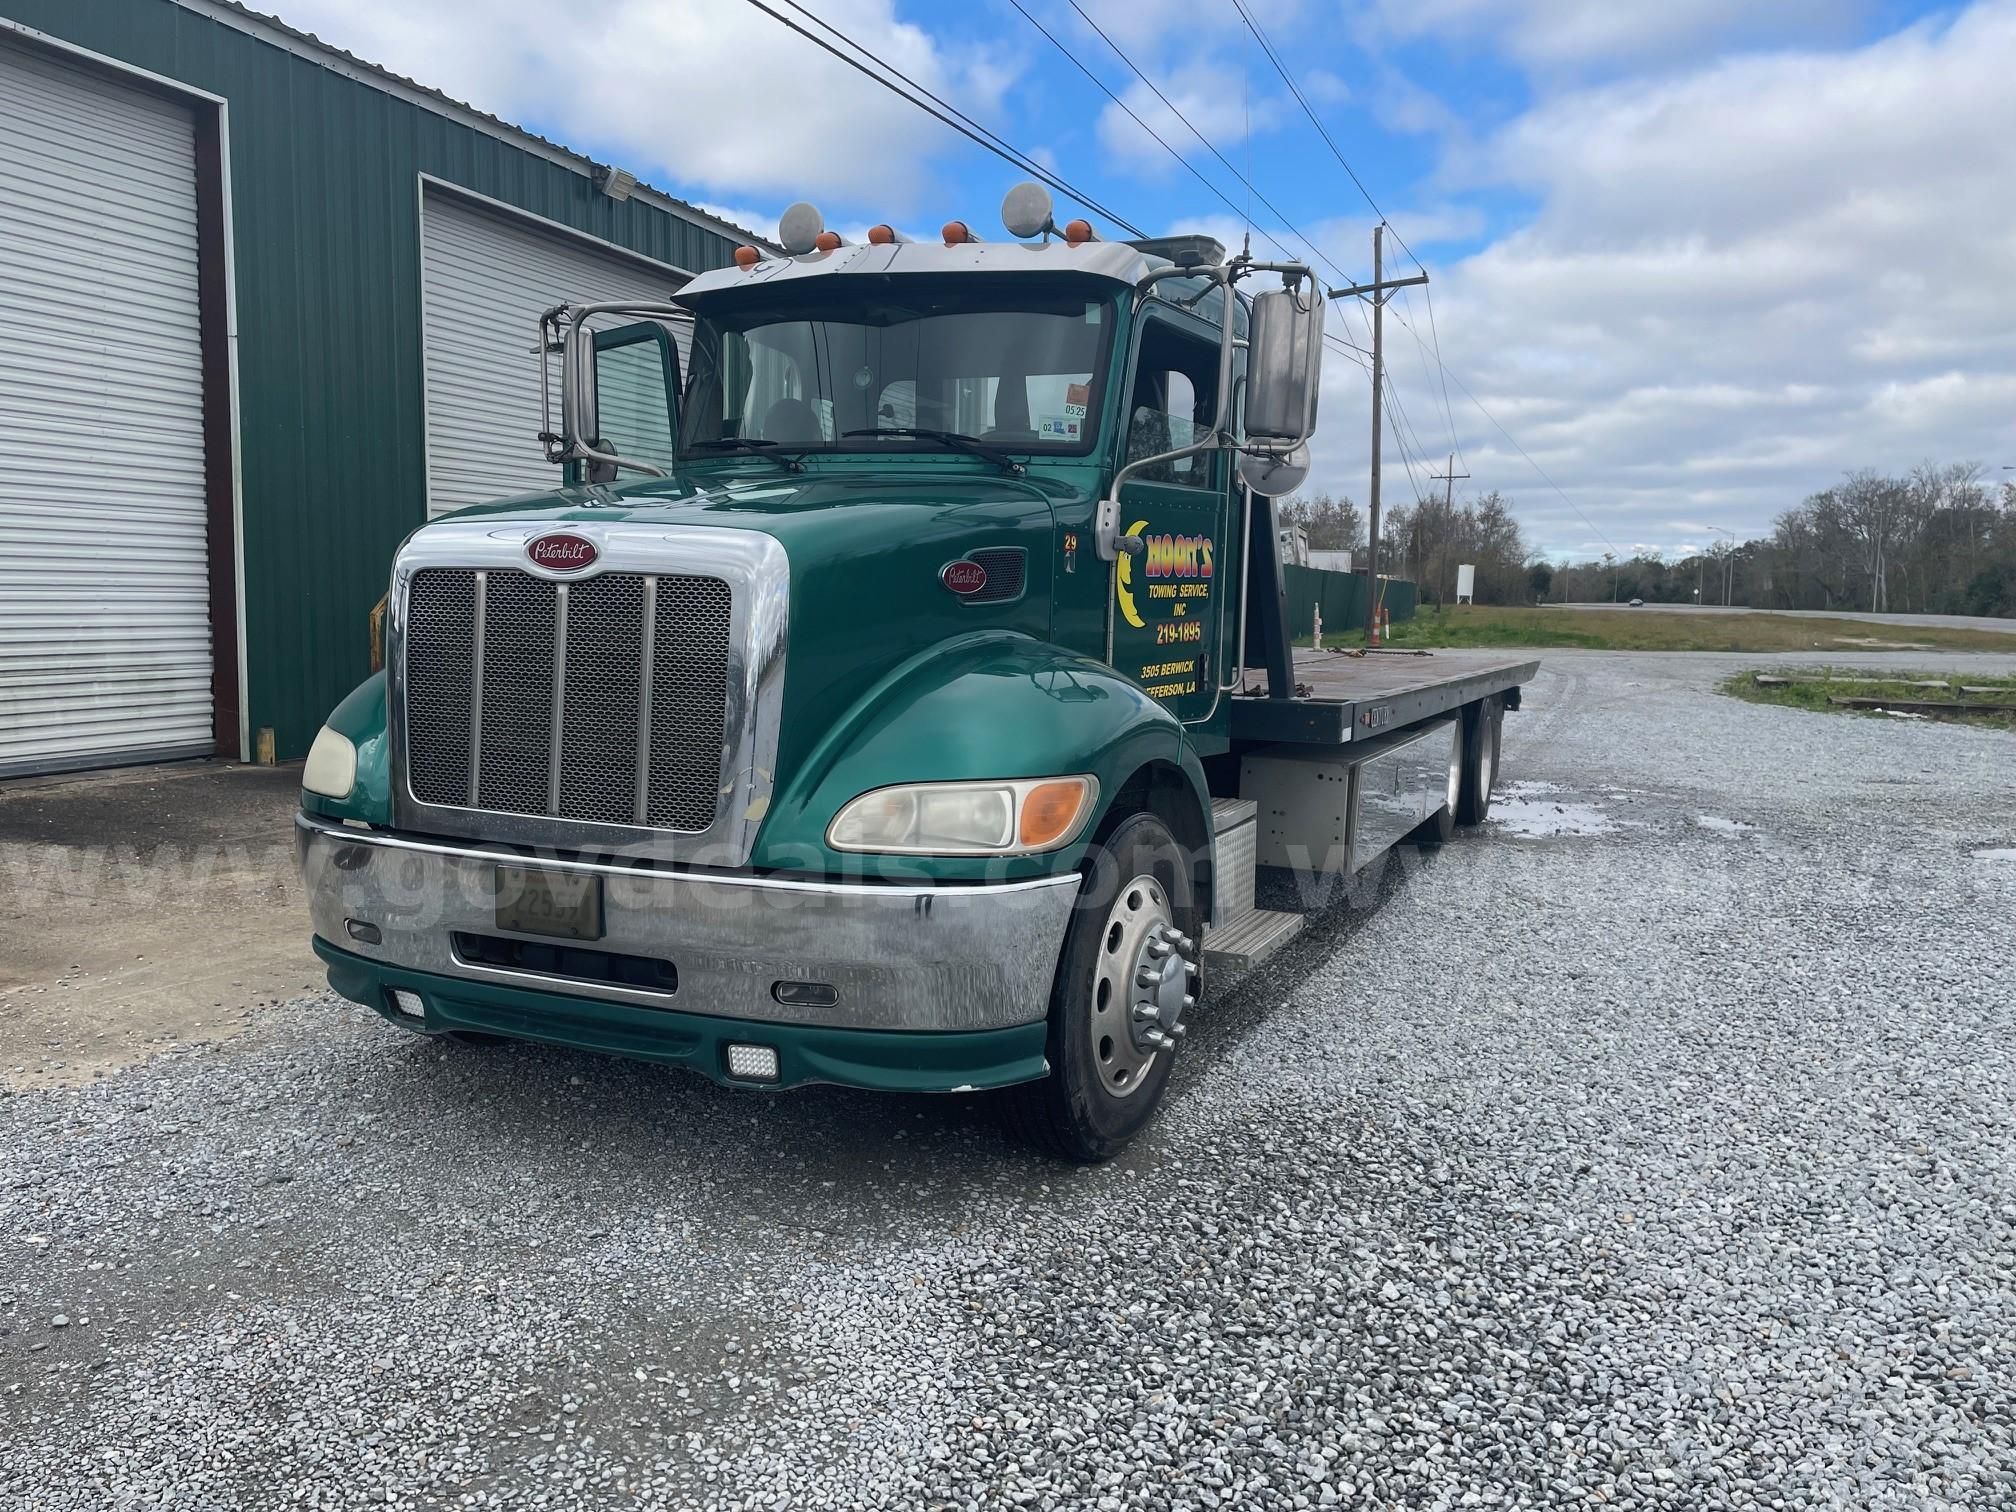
{"type": "Point", "coordinates": [1651, 629]}
{"type": "Point", "coordinates": [1955, 699]}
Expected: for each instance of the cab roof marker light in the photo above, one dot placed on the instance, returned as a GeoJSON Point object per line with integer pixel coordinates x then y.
{"type": "Point", "coordinates": [799, 229]}
{"type": "Point", "coordinates": [746, 257]}
{"type": "Point", "coordinates": [1079, 232]}
{"type": "Point", "coordinates": [829, 241]}
{"type": "Point", "coordinates": [957, 232]}
{"type": "Point", "coordinates": [885, 235]}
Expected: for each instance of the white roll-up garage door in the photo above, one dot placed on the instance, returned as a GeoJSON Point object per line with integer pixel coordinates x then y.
{"type": "Point", "coordinates": [104, 597]}
{"type": "Point", "coordinates": [486, 278]}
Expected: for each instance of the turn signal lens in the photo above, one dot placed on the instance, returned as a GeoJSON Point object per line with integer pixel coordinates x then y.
{"type": "Point", "coordinates": [1050, 811]}
{"type": "Point", "coordinates": [747, 257]}
{"type": "Point", "coordinates": [965, 818]}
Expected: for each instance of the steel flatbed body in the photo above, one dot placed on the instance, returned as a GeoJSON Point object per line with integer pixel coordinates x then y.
{"type": "Point", "coordinates": [1353, 695]}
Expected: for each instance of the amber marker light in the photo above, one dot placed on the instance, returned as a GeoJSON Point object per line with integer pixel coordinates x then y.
{"type": "Point", "coordinates": [957, 232]}
{"type": "Point", "coordinates": [1078, 232]}
{"type": "Point", "coordinates": [747, 257]}
{"type": "Point", "coordinates": [827, 241]}
{"type": "Point", "coordinates": [881, 236]}
{"type": "Point", "coordinates": [1051, 810]}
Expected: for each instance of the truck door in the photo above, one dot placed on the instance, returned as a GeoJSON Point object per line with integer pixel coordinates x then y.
{"type": "Point", "coordinates": [1170, 597]}
{"type": "Point", "coordinates": [637, 392]}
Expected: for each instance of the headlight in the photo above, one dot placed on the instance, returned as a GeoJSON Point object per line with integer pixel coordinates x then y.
{"type": "Point", "coordinates": [332, 765]}
{"type": "Point", "coordinates": [965, 818]}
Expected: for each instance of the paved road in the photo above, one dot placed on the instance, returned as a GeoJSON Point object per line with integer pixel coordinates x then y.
{"type": "Point", "coordinates": [1655, 1147]}
{"type": "Point", "coordinates": [1929, 621]}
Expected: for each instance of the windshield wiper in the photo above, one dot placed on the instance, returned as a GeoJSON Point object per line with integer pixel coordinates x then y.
{"type": "Point", "coordinates": [755, 446]}
{"type": "Point", "coordinates": [957, 440]}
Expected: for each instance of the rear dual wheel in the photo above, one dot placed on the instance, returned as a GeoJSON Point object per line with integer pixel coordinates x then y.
{"type": "Point", "coordinates": [1125, 976]}
{"type": "Point", "coordinates": [1483, 723]}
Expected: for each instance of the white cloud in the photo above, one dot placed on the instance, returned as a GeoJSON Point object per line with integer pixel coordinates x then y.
{"type": "Point", "coordinates": [1209, 96]}
{"type": "Point", "coordinates": [1739, 281]}
{"type": "Point", "coordinates": [709, 92]}
{"type": "Point", "coordinates": [1580, 32]}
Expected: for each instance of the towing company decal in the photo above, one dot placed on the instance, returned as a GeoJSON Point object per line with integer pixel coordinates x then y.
{"type": "Point", "coordinates": [1171, 600]}
{"type": "Point", "coordinates": [562, 551]}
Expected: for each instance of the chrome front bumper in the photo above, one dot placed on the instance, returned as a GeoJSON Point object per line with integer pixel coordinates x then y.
{"type": "Point", "coordinates": [901, 956]}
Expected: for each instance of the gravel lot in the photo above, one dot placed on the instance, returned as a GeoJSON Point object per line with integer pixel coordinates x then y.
{"type": "Point", "coordinates": [1656, 1147]}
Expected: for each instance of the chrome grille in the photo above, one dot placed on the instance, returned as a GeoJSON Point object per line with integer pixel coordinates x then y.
{"type": "Point", "coordinates": [440, 669]}
{"type": "Point", "coordinates": [603, 700]}
{"type": "Point", "coordinates": [685, 782]}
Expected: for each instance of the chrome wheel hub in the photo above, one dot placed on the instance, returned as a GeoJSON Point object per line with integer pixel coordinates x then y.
{"type": "Point", "coordinates": [1144, 982]}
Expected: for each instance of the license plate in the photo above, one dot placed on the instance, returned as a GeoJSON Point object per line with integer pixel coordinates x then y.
{"type": "Point", "coordinates": [565, 905]}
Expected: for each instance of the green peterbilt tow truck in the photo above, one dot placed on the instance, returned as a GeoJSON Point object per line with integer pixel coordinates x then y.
{"type": "Point", "coordinates": [897, 692]}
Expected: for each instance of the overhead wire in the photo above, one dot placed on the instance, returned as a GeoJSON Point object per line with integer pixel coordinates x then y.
{"type": "Point", "coordinates": [1260, 36]}
{"type": "Point", "coordinates": [944, 112]}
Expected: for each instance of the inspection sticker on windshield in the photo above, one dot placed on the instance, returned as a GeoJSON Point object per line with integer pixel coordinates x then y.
{"type": "Point", "coordinates": [1076, 398]}
{"type": "Point", "coordinates": [1061, 427]}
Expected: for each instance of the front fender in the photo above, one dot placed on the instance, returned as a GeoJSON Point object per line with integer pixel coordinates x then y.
{"type": "Point", "coordinates": [987, 705]}
{"type": "Point", "coordinates": [361, 718]}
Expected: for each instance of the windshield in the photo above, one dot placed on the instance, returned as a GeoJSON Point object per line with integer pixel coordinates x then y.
{"type": "Point", "coordinates": [1013, 368]}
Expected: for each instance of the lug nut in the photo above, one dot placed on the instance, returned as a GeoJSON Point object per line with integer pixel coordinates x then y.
{"type": "Point", "coordinates": [1179, 1030]}
{"type": "Point", "coordinates": [1189, 1001]}
{"type": "Point", "coordinates": [1145, 1012]}
{"type": "Point", "coordinates": [1158, 948]}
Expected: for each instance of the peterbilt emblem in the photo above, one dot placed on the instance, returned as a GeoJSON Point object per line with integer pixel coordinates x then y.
{"type": "Point", "coordinates": [963, 577]}
{"type": "Point", "coordinates": [562, 552]}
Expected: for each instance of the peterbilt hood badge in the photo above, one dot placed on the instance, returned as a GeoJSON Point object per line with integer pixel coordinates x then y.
{"type": "Point", "coordinates": [562, 551]}
{"type": "Point", "coordinates": [963, 577]}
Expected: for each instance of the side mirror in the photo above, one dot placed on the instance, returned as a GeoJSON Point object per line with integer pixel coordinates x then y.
{"type": "Point", "coordinates": [564, 329]}
{"type": "Point", "coordinates": [580, 407]}
{"type": "Point", "coordinates": [1284, 368]}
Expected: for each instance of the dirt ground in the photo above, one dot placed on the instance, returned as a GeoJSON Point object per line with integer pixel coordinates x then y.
{"type": "Point", "coordinates": [143, 907]}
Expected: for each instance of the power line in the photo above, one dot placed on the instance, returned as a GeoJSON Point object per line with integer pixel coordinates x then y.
{"type": "Point", "coordinates": [1336, 152]}
{"type": "Point", "coordinates": [964, 124]}
{"type": "Point", "coordinates": [1209, 146]}
{"type": "Point", "coordinates": [1428, 294]}
{"type": "Point", "coordinates": [1104, 89]}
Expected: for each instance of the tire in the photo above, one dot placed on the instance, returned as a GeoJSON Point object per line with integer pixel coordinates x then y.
{"type": "Point", "coordinates": [1103, 1086]}
{"type": "Point", "coordinates": [1482, 722]}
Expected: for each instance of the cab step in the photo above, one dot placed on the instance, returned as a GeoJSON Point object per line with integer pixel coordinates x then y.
{"type": "Point", "coordinates": [1248, 940]}
{"type": "Point", "coordinates": [1243, 935]}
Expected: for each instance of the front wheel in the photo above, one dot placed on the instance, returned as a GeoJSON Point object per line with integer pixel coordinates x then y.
{"type": "Point", "coordinates": [1124, 979]}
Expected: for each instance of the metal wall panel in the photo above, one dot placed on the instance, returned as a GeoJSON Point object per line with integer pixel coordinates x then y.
{"type": "Point", "coordinates": [485, 279]}
{"type": "Point", "coordinates": [104, 588]}
{"type": "Point", "coordinates": [325, 244]}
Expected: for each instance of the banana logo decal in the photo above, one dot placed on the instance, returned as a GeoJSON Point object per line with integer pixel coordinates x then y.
{"type": "Point", "coordinates": [1123, 579]}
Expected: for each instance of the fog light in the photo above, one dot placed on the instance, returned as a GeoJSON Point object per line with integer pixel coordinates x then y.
{"type": "Point", "coordinates": [408, 1002]}
{"type": "Point", "coordinates": [363, 933]}
{"type": "Point", "coordinates": [752, 1063]}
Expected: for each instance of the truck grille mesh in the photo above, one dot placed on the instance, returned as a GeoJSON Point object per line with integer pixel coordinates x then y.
{"type": "Point", "coordinates": [494, 661]}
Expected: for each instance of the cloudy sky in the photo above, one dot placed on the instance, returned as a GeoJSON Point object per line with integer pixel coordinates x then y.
{"type": "Point", "coordinates": [1697, 258]}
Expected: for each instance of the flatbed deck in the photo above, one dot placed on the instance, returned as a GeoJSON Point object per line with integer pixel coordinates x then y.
{"type": "Point", "coordinates": [1351, 697]}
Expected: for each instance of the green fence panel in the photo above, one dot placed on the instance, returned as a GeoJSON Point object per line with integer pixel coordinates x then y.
{"type": "Point", "coordinates": [1342, 597]}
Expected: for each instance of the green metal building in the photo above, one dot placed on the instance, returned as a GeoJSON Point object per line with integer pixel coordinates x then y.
{"type": "Point", "coordinates": [269, 306]}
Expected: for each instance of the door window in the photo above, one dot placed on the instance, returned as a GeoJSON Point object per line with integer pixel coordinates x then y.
{"type": "Point", "coordinates": [1174, 402]}
{"type": "Point", "coordinates": [636, 376]}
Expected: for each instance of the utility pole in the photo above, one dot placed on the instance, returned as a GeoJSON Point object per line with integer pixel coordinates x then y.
{"type": "Point", "coordinates": [1448, 496]}
{"type": "Point", "coordinates": [1728, 563]}
{"type": "Point", "coordinates": [1376, 291]}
